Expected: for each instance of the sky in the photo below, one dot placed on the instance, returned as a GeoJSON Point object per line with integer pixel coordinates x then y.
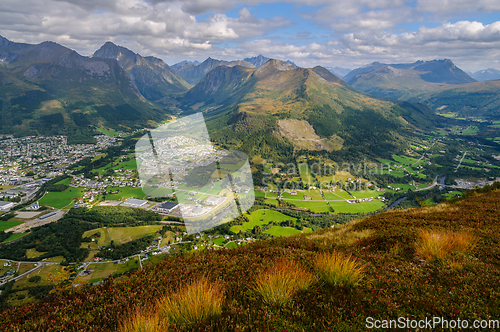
{"type": "Point", "coordinates": [330, 33]}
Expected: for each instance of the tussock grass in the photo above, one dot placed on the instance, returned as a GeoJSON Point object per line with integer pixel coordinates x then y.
{"type": "Point", "coordinates": [342, 235]}
{"type": "Point", "coordinates": [337, 269]}
{"type": "Point", "coordinates": [279, 284]}
{"type": "Point", "coordinates": [197, 301]}
{"type": "Point", "coordinates": [146, 320]}
{"type": "Point", "coordinates": [442, 207]}
{"type": "Point", "coordinates": [440, 246]}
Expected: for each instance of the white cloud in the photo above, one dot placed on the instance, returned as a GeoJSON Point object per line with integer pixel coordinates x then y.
{"type": "Point", "coordinates": [458, 6]}
{"type": "Point", "coordinates": [162, 28]}
{"type": "Point", "coordinates": [360, 31]}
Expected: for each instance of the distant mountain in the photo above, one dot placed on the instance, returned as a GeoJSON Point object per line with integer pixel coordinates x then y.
{"type": "Point", "coordinates": [478, 99]}
{"type": "Point", "coordinates": [486, 75]}
{"type": "Point", "coordinates": [193, 73]}
{"type": "Point", "coordinates": [49, 89]}
{"type": "Point", "coordinates": [257, 61]}
{"type": "Point", "coordinates": [152, 76]}
{"type": "Point", "coordinates": [401, 81]}
{"type": "Point", "coordinates": [339, 71]}
{"type": "Point", "coordinates": [179, 65]}
{"type": "Point", "coordinates": [279, 108]}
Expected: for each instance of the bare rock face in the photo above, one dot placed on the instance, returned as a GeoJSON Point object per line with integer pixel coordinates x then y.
{"type": "Point", "coordinates": [152, 76]}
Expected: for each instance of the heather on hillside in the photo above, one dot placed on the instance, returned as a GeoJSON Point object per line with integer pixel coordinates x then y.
{"type": "Point", "coordinates": [398, 280]}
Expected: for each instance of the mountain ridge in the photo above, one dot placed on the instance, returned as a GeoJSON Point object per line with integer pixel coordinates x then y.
{"type": "Point", "coordinates": [49, 89]}
{"type": "Point", "coordinates": [241, 102]}
{"type": "Point", "coordinates": [401, 81]}
{"type": "Point", "coordinates": [152, 76]}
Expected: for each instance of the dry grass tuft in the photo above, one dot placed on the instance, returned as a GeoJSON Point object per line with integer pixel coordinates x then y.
{"type": "Point", "coordinates": [281, 282]}
{"type": "Point", "coordinates": [141, 321]}
{"type": "Point", "coordinates": [440, 246]}
{"type": "Point", "coordinates": [339, 270]}
{"type": "Point", "coordinates": [342, 235]}
{"type": "Point", "coordinates": [442, 207]}
{"type": "Point", "coordinates": [197, 301]}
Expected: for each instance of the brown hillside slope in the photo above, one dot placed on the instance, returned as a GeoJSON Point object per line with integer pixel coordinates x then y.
{"type": "Point", "coordinates": [399, 281]}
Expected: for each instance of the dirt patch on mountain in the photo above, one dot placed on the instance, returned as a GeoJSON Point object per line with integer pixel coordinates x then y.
{"type": "Point", "coordinates": [302, 135]}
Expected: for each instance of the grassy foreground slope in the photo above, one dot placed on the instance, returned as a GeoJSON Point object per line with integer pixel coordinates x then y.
{"type": "Point", "coordinates": [399, 280]}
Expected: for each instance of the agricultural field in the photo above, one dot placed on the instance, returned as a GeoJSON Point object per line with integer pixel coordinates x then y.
{"type": "Point", "coordinates": [109, 132]}
{"type": "Point", "coordinates": [101, 271]}
{"type": "Point", "coordinates": [219, 241]}
{"type": "Point", "coordinates": [168, 237]}
{"type": "Point", "coordinates": [120, 234]}
{"type": "Point", "coordinates": [405, 160]}
{"type": "Point", "coordinates": [269, 201]}
{"type": "Point", "coordinates": [4, 225]}
{"type": "Point", "coordinates": [271, 195]}
{"type": "Point", "coordinates": [101, 241]}
{"type": "Point", "coordinates": [22, 284]}
{"type": "Point", "coordinates": [127, 234]}
{"type": "Point", "coordinates": [32, 253]}
{"type": "Point", "coordinates": [259, 194]}
{"type": "Point", "coordinates": [129, 164]}
{"type": "Point", "coordinates": [15, 236]}
{"type": "Point", "coordinates": [363, 207]}
{"type": "Point", "coordinates": [472, 130]}
{"type": "Point", "coordinates": [337, 194]}
{"type": "Point", "coordinates": [125, 193]}
{"type": "Point", "coordinates": [24, 267]}
{"type": "Point", "coordinates": [261, 218]}
{"type": "Point", "coordinates": [59, 200]}
{"type": "Point", "coordinates": [366, 193]}
{"type": "Point", "coordinates": [159, 192]}
{"type": "Point", "coordinates": [317, 207]}
{"type": "Point", "coordinates": [315, 194]}
{"type": "Point", "coordinates": [231, 245]}
{"type": "Point", "coordinates": [402, 187]}
{"type": "Point", "coordinates": [55, 259]}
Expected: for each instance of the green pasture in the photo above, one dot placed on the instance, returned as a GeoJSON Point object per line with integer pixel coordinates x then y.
{"type": "Point", "coordinates": [127, 234]}
{"type": "Point", "coordinates": [15, 236]}
{"type": "Point", "coordinates": [231, 245]}
{"type": "Point", "coordinates": [317, 207]}
{"type": "Point", "coordinates": [366, 193]}
{"type": "Point", "coordinates": [4, 225]}
{"type": "Point", "coordinates": [103, 240]}
{"type": "Point", "coordinates": [125, 193]}
{"type": "Point", "coordinates": [471, 130]}
{"type": "Point", "coordinates": [219, 241]}
{"type": "Point", "coordinates": [259, 194]}
{"type": "Point", "coordinates": [260, 218]}
{"type": "Point", "coordinates": [121, 234]}
{"type": "Point", "coordinates": [363, 207]}
{"type": "Point", "coordinates": [58, 200]}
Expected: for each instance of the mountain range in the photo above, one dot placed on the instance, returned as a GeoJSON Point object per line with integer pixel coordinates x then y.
{"type": "Point", "coordinates": [263, 106]}
{"type": "Point", "coordinates": [339, 71]}
{"type": "Point", "coordinates": [193, 71]}
{"type": "Point", "coordinates": [438, 84]}
{"type": "Point", "coordinates": [400, 81]}
{"type": "Point", "coordinates": [49, 89]}
{"type": "Point", "coordinates": [279, 109]}
{"type": "Point", "coordinates": [486, 75]}
{"type": "Point", "coordinates": [152, 76]}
